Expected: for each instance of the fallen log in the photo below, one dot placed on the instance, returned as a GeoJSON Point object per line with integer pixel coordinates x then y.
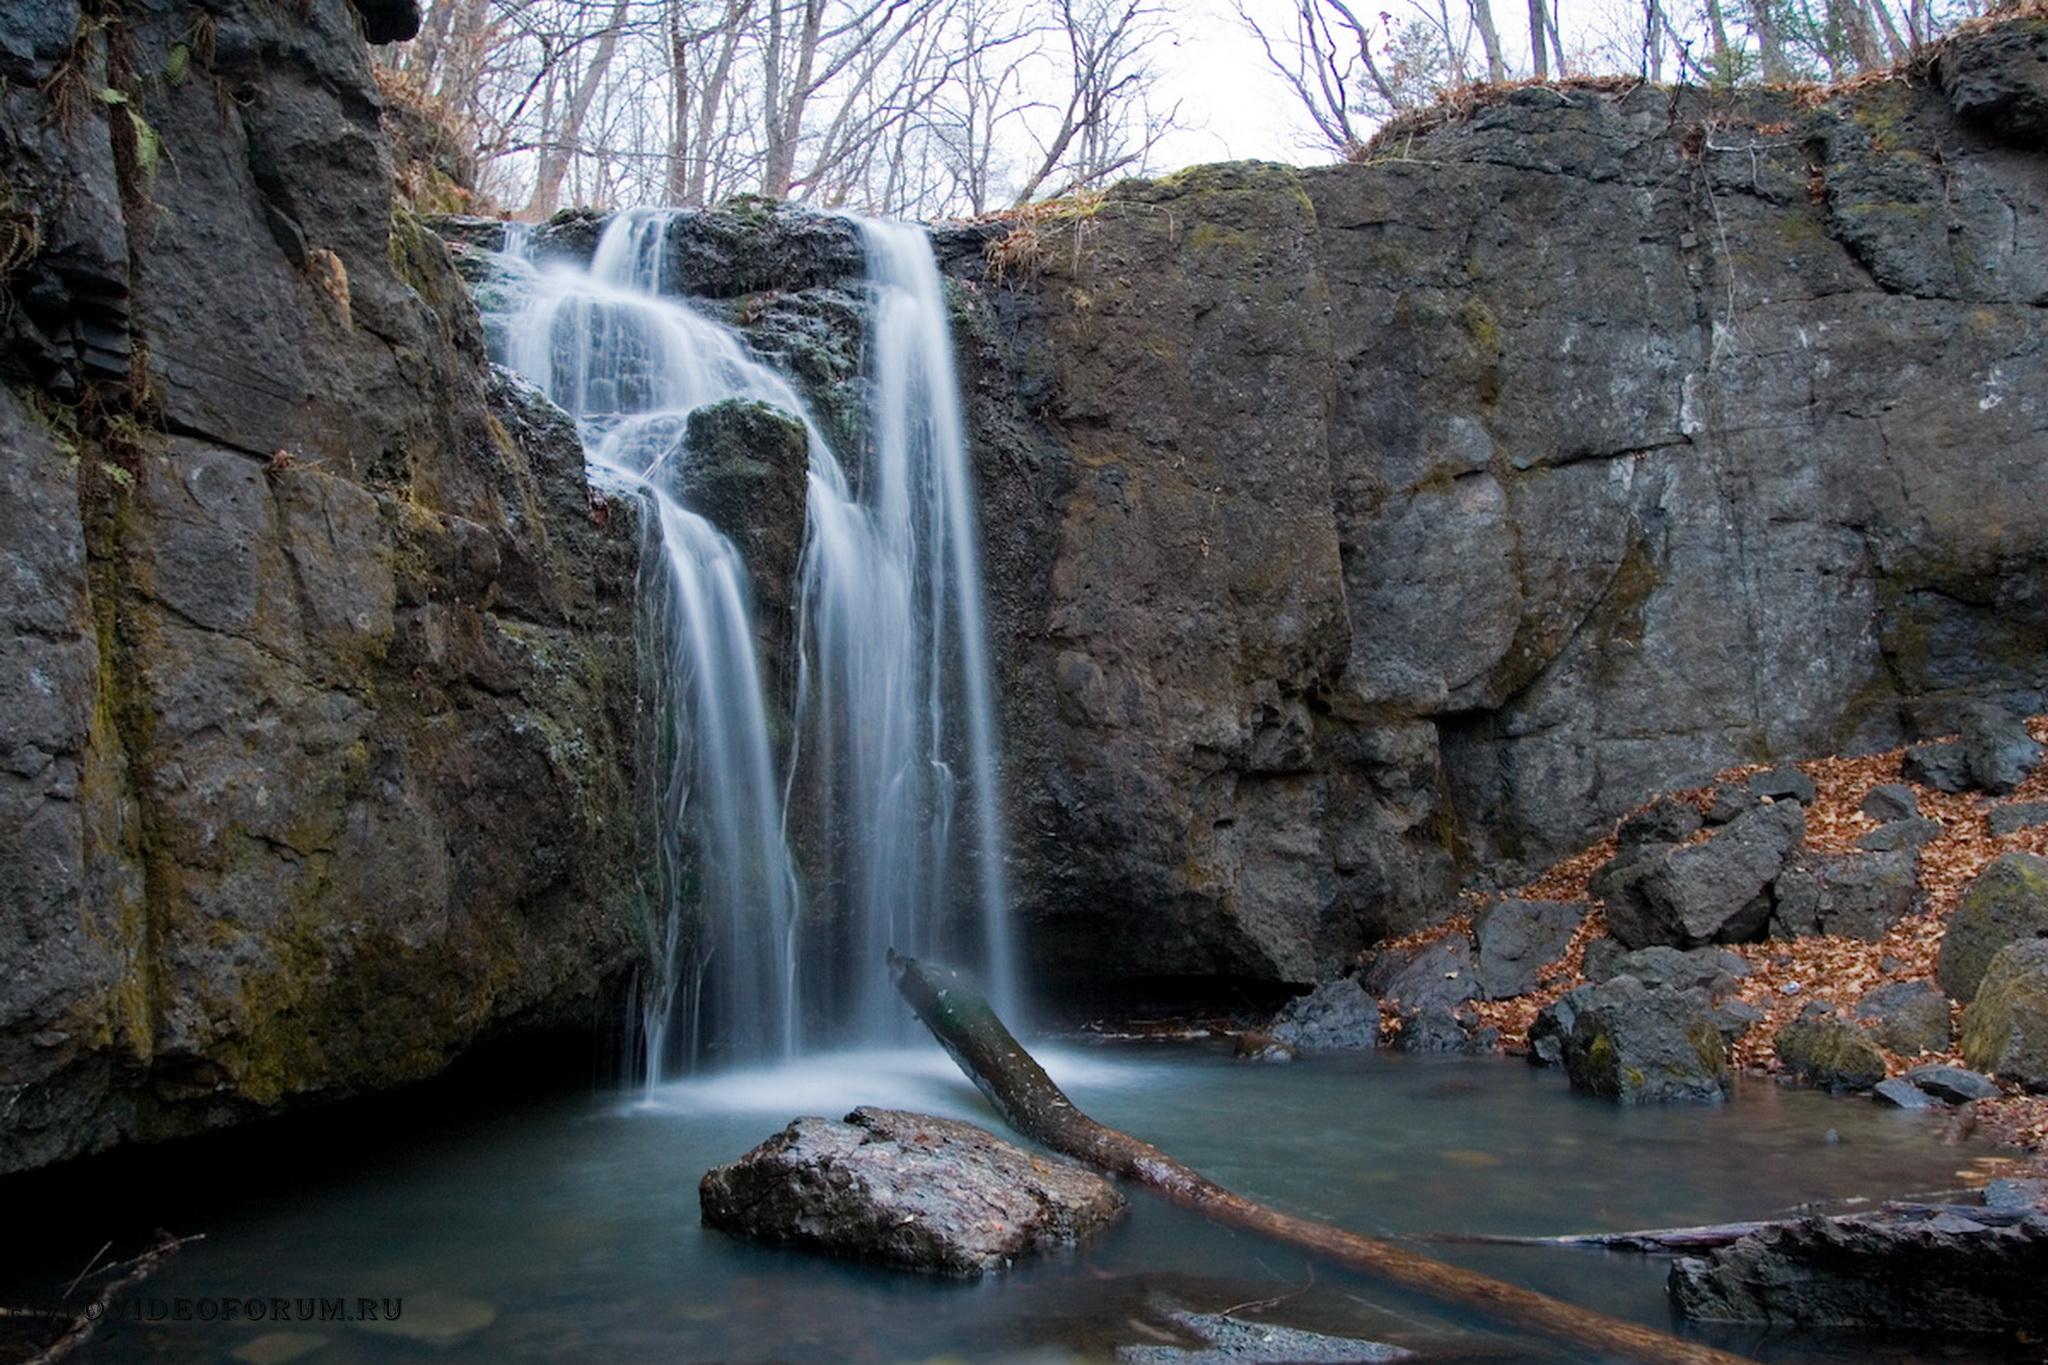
{"type": "Point", "coordinates": [961, 1019]}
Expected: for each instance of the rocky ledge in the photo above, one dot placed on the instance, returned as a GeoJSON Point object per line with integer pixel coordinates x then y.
{"type": "Point", "coordinates": [907, 1190]}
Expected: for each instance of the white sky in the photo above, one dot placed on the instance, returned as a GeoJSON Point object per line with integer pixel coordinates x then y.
{"type": "Point", "coordinates": [1236, 108]}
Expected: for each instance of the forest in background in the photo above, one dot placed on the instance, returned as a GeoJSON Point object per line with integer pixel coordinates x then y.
{"type": "Point", "coordinates": [944, 108]}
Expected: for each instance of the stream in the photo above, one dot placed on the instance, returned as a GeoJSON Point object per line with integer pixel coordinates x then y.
{"type": "Point", "coordinates": [565, 1226]}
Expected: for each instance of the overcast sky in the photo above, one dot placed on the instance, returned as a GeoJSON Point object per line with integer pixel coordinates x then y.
{"type": "Point", "coordinates": [1237, 108]}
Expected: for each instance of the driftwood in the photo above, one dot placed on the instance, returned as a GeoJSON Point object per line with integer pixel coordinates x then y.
{"type": "Point", "coordinates": [961, 1019]}
{"type": "Point", "coordinates": [1711, 1235]}
{"type": "Point", "coordinates": [133, 1273]}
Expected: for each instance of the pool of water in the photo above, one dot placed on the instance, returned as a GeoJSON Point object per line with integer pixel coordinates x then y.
{"type": "Point", "coordinates": [566, 1227]}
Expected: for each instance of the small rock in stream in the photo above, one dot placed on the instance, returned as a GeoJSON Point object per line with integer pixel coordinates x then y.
{"type": "Point", "coordinates": [1226, 1341]}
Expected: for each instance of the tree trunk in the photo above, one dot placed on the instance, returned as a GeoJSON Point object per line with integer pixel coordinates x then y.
{"type": "Point", "coordinates": [1489, 38]}
{"type": "Point", "coordinates": [555, 154]}
{"type": "Point", "coordinates": [1540, 67]}
{"type": "Point", "coordinates": [1026, 1097]}
{"type": "Point", "coordinates": [1769, 43]}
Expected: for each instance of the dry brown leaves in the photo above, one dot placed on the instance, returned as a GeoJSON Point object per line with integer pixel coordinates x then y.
{"type": "Point", "coordinates": [1786, 975]}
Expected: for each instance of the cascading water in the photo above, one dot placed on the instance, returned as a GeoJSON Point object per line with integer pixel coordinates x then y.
{"type": "Point", "coordinates": [894, 768]}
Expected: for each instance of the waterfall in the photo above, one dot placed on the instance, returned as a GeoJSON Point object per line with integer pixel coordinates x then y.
{"type": "Point", "coordinates": [891, 782]}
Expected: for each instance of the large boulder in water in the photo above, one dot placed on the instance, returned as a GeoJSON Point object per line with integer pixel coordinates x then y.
{"type": "Point", "coordinates": [907, 1190]}
{"type": "Point", "coordinates": [1830, 1053]}
{"type": "Point", "coordinates": [2006, 903]}
{"type": "Point", "coordinates": [1712, 892]}
{"type": "Point", "coordinates": [1639, 1044]}
{"type": "Point", "coordinates": [1336, 1016]}
{"type": "Point", "coordinates": [2005, 1030]}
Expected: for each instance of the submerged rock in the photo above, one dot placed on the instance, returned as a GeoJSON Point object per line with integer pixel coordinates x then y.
{"type": "Point", "coordinates": [1223, 1340]}
{"type": "Point", "coordinates": [2005, 1029]}
{"type": "Point", "coordinates": [2006, 903]}
{"type": "Point", "coordinates": [1945, 1274]}
{"type": "Point", "coordinates": [907, 1190]}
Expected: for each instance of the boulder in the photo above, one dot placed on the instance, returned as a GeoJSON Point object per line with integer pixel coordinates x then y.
{"type": "Point", "coordinates": [1518, 938]}
{"type": "Point", "coordinates": [1998, 753]}
{"type": "Point", "coordinates": [2007, 902]}
{"type": "Point", "coordinates": [1637, 1044]}
{"type": "Point", "coordinates": [1667, 820]}
{"type": "Point", "coordinates": [1890, 801]}
{"type": "Point", "coordinates": [1441, 973]}
{"type": "Point", "coordinates": [1599, 958]}
{"type": "Point", "coordinates": [2005, 1029]}
{"type": "Point", "coordinates": [1912, 833]}
{"type": "Point", "coordinates": [2011, 819]}
{"type": "Point", "coordinates": [1781, 784]}
{"type": "Point", "coordinates": [1940, 764]}
{"type": "Point", "coordinates": [1857, 895]}
{"type": "Point", "coordinates": [1900, 1093]}
{"type": "Point", "coordinates": [1952, 1084]}
{"type": "Point", "coordinates": [1912, 1016]}
{"type": "Point", "coordinates": [1936, 1275]}
{"type": "Point", "coordinates": [1736, 1017]}
{"type": "Point", "coordinates": [1336, 1016]}
{"type": "Point", "coordinates": [1438, 1026]}
{"type": "Point", "coordinates": [1730, 802]}
{"type": "Point", "coordinates": [907, 1190]}
{"type": "Point", "coordinates": [1716, 891]}
{"type": "Point", "coordinates": [1831, 1054]}
{"type": "Point", "coordinates": [1552, 1028]}
{"type": "Point", "coordinates": [1713, 970]}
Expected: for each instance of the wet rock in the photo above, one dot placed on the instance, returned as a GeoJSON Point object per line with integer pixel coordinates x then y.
{"type": "Point", "coordinates": [2005, 1029]}
{"type": "Point", "coordinates": [1710, 892]}
{"type": "Point", "coordinates": [1998, 80]}
{"type": "Point", "coordinates": [1831, 1054]}
{"type": "Point", "coordinates": [2006, 903]}
{"type": "Point", "coordinates": [1666, 820]}
{"type": "Point", "coordinates": [1226, 1341]}
{"type": "Point", "coordinates": [1900, 1093]}
{"type": "Point", "coordinates": [1518, 939]}
{"type": "Point", "coordinates": [1998, 753]}
{"type": "Point", "coordinates": [1636, 1044]}
{"type": "Point", "coordinates": [1952, 1084]}
{"type": "Point", "coordinates": [1859, 895]}
{"type": "Point", "coordinates": [2016, 1194]}
{"type": "Point", "coordinates": [2011, 819]}
{"type": "Point", "coordinates": [1551, 1030]}
{"type": "Point", "coordinates": [1952, 1277]}
{"type": "Point", "coordinates": [1781, 784]}
{"type": "Point", "coordinates": [1941, 764]}
{"type": "Point", "coordinates": [1334, 1017]}
{"type": "Point", "coordinates": [907, 1190]}
{"type": "Point", "coordinates": [1257, 1045]}
{"type": "Point", "coordinates": [1890, 802]}
{"type": "Point", "coordinates": [1912, 1016]}
{"type": "Point", "coordinates": [1913, 833]}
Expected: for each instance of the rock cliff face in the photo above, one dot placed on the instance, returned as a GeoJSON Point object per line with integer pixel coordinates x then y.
{"type": "Point", "coordinates": [1355, 530]}
{"type": "Point", "coordinates": [317, 673]}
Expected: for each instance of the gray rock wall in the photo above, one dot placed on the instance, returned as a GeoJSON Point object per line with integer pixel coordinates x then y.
{"type": "Point", "coordinates": [1361, 529]}
{"type": "Point", "coordinates": [317, 676]}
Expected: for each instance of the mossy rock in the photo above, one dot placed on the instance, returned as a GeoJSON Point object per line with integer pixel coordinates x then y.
{"type": "Point", "coordinates": [1831, 1054]}
{"type": "Point", "coordinates": [2005, 1030]}
{"type": "Point", "coordinates": [2007, 903]}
